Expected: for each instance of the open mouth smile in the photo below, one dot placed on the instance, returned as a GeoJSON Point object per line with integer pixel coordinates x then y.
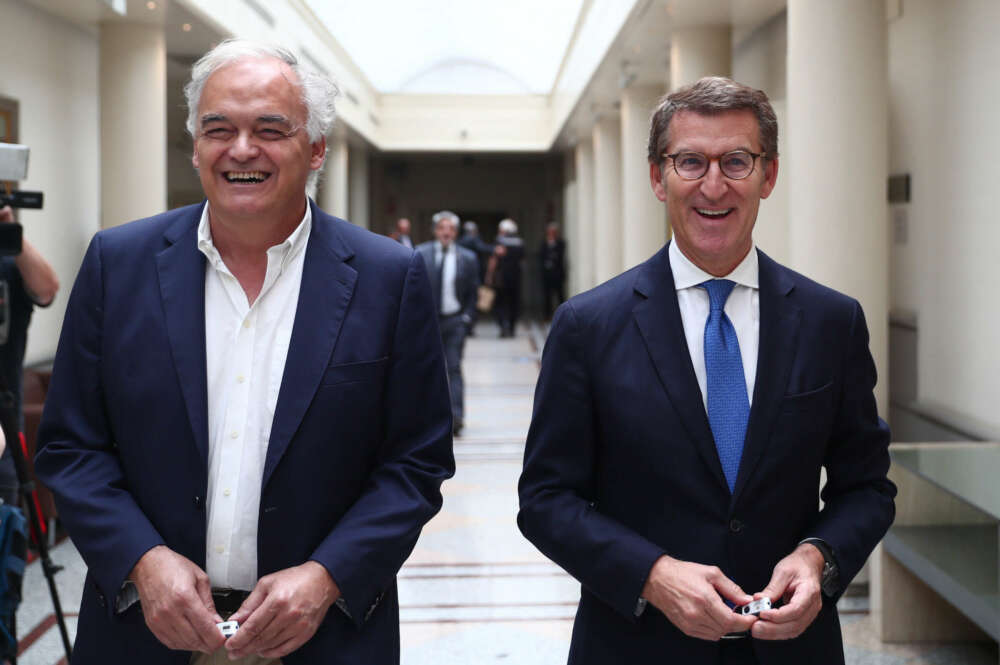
{"type": "Point", "coordinates": [246, 177]}
{"type": "Point", "coordinates": [713, 214]}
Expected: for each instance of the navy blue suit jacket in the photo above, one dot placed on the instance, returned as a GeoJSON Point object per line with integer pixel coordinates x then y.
{"type": "Point", "coordinates": [621, 466]}
{"type": "Point", "coordinates": [360, 442]}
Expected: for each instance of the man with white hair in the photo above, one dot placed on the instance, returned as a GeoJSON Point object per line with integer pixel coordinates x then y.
{"type": "Point", "coordinates": [510, 251]}
{"type": "Point", "coordinates": [248, 417]}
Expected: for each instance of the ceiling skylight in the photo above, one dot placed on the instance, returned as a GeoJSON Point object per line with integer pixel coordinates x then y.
{"type": "Point", "coordinates": [454, 46]}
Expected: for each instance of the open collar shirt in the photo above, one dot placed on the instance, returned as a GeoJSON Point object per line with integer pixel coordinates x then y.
{"type": "Point", "coordinates": [246, 347]}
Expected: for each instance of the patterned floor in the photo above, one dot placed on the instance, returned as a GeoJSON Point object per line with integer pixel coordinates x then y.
{"type": "Point", "coordinates": [474, 591]}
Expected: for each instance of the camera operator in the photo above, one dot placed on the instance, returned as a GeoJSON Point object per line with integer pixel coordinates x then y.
{"type": "Point", "coordinates": [30, 281]}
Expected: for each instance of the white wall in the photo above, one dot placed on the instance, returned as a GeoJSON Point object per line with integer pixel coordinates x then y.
{"type": "Point", "coordinates": [51, 68]}
{"type": "Point", "coordinates": [944, 92]}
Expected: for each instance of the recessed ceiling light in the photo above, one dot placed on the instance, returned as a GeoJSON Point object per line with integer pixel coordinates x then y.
{"type": "Point", "coordinates": [186, 27]}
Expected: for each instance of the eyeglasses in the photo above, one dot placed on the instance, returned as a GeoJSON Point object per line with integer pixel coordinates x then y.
{"type": "Point", "coordinates": [735, 164]}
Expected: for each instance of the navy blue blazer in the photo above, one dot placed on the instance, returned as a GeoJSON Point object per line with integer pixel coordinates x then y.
{"type": "Point", "coordinates": [359, 446]}
{"type": "Point", "coordinates": [621, 467]}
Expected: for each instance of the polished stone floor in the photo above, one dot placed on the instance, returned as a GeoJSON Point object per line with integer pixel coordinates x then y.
{"type": "Point", "coordinates": [474, 591]}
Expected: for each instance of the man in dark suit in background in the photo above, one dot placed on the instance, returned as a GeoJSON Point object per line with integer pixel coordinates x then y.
{"type": "Point", "coordinates": [248, 416]}
{"type": "Point", "coordinates": [509, 249]}
{"type": "Point", "coordinates": [552, 261]}
{"type": "Point", "coordinates": [683, 415]}
{"type": "Point", "coordinates": [454, 274]}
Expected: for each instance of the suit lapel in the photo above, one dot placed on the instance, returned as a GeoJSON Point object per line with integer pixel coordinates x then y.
{"type": "Point", "coordinates": [779, 327]}
{"type": "Point", "coordinates": [325, 292]}
{"type": "Point", "coordinates": [181, 268]}
{"type": "Point", "coordinates": [659, 319]}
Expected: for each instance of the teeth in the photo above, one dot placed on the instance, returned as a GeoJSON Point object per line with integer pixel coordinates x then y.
{"type": "Point", "coordinates": [714, 213]}
{"type": "Point", "coordinates": [246, 176]}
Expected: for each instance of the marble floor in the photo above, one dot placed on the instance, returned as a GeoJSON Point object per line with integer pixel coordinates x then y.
{"type": "Point", "coordinates": [474, 590]}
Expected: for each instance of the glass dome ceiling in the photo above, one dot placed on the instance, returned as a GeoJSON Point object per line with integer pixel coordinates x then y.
{"type": "Point", "coordinates": [454, 46]}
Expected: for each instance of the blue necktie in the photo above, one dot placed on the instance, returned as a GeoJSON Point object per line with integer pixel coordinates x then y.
{"type": "Point", "coordinates": [728, 405]}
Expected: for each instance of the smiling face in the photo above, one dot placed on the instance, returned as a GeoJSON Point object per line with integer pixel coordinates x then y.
{"type": "Point", "coordinates": [251, 148]}
{"type": "Point", "coordinates": [712, 217]}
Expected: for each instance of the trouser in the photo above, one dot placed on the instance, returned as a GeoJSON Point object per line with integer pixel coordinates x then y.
{"type": "Point", "coordinates": [552, 295]}
{"type": "Point", "coordinates": [507, 306]}
{"type": "Point", "coordinates": [738, 652]}
{"type": "Point", "coordinates": [453, 331]}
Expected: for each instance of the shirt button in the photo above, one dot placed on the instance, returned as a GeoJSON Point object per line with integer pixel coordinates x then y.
{"type": "Point", "coordinates": [234, 434]}
{"type": "Point", "coordinates": [736, 526]}
{"type": "Point", "coordinates": [220, 549]}
{"type": "Point", "coordinates": [241, 378]}
{"type": "Point", "coordinates": [227, 492]}
{"type": "Point", "coordinates": [246, 324]}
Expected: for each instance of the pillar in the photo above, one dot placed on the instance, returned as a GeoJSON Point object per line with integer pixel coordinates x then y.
{"type": "Point", "coordinates": [334, 189]}
{"type": "Point", "coordinates": [582, 264]}
{"type": "Point", "coordinates": [607, 222]}
{"type": "Point", "coordinates": [133, 88]}
{"type": "Point", "coordinates": [358, 186]}
{"type": "Point", "coordinates": [699, 51]}
{"type": "Point", "coordinates": [644, 217]}
{"type": "Point", "coordinates": [838, 213]}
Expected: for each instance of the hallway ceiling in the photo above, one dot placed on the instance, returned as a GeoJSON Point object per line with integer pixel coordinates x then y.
{"type": "Point", "coordinates": [454, 46]}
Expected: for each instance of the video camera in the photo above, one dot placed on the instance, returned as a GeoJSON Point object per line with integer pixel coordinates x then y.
{"type": "Point", "coordinates": [14, 167]}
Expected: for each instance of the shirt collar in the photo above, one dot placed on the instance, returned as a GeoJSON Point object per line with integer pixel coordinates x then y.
{"type": "Point", "coordinates": [285, 250]}
{"type": "Point", "coordinates": [687, 274]}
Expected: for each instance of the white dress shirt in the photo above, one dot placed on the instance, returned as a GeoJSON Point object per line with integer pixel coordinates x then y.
{"type": "Point", "coordinates": [246, 347]}
{"type": "Point", "coordinates": [449, 299]}
{"type": "Point", "coordinates": [742, 308]}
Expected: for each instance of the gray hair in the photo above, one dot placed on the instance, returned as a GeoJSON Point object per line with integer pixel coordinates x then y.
{"type": "Point", "coordinates": [318, 90]}
{"type": "Point", "coordinates": [710, 96]}
{"type": "Point", "coordinates": [445, 214]}
{"type": "Point", "coordinates": [508, 227]}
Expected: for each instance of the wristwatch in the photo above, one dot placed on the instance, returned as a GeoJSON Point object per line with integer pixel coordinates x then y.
{"type": "Point", "coordinates": [830, 579]}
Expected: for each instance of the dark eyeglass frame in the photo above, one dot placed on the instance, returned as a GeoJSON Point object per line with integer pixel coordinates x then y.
{"type": "Point", "coordinates": [717, 158]}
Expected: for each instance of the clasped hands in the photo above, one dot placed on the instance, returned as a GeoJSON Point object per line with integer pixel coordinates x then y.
{"type": "Point", "coordinates": [280, 615]}
{"type": "Point", "coordinates": [691, 596]}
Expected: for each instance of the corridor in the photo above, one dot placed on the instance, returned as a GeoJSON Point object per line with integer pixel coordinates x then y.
{"type": "Point", "coordinates": [474, 591]}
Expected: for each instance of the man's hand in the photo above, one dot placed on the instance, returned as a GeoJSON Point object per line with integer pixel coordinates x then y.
{"type": "Point", "coordinates": [797, 578]}
{"type": "Point", "coordinates": [283, 612]}
{"type": "Point", "coordinates": [689, 595]}
{"type": "Point", "coordinates": [176, 599]}
{"type": "Point", "coordinates": [6, 214]}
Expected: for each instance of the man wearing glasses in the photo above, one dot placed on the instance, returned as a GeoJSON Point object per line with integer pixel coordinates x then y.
{"type": "Point", "coordinates": [684, 412]}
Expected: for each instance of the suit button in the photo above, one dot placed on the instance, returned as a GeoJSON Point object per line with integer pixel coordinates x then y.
{"type": "Point", "coordinates": [735, 526]}
{"type": "Point", "coordinates": [101, 600]}
{"type": "Point", "coordinates": [197, 502]}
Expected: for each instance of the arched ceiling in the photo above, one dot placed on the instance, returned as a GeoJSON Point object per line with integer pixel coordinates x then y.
{"type": "Point", "coordinates": [430, 47]}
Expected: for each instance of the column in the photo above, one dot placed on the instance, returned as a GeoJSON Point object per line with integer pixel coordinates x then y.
{"type": "Point", "coordinates": [334, 189]}
{"type": "Point", "coordinates": [582, 265]}
{"type": "Point", "coordinates": [644, 216]}
{"type": "Point", "coordinates": [699, 51]}
{"type": "Point", "coordinates": [838, 214]}
{"type": "Point", "coordinates": [133, 85]}
{"type": "Point", "coordinates": [607, 198]}
{"type": "Point", "coordinates": [571, 220]}
{"type": "Point", "coordinates": [358, 186]}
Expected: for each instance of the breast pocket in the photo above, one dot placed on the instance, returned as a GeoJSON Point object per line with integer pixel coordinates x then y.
{"type": "Point", "coordinates": [810, 400]}
{"type": "Point", "coordinates": [355, 372]}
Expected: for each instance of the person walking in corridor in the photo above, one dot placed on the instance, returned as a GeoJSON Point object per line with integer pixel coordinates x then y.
{"type": "Point", "coordinates": [454, 274]}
